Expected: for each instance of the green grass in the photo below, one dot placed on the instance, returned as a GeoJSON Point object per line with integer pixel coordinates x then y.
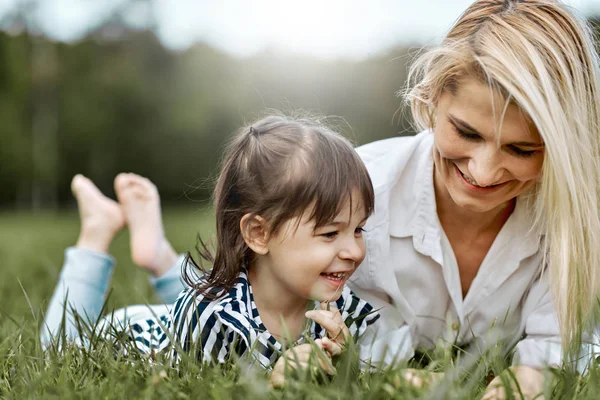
{"type": "Point", "coordinates": [31, 254]}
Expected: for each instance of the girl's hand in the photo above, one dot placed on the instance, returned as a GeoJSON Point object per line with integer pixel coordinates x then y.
{"type": "Point", "coordinates": [530, 382]}
{"type": "Point", "coordinates": [301, 357]}
{"type": "Point", "coordinates": [337, 331]}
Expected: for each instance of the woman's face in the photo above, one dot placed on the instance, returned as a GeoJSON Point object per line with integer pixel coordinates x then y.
{"type": "Point", "coordinates": [479, 171]}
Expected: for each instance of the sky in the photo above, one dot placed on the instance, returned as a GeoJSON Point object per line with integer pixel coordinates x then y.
{"type": "Point", "coordinates": [323, 28]}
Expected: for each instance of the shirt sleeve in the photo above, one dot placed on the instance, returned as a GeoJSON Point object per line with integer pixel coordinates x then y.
{"type": "Point", "coordinates": [541, 344]}
{"type": "Point", "coordinates": [377, 348]}
{"type": "Point", "coordinates": [206, 330]}
{"type": "Point", "coordinates": [150, 336]}
{"type": "Point", "coordinates": [357, 313]}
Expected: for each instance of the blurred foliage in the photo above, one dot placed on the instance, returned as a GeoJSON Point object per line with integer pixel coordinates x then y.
{"type": "Point", "coordinates": [112, 103]}
{"type": "Point", "coordinates": [100, 107]}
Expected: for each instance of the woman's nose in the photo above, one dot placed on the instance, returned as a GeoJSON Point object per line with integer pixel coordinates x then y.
{"type": "Point", "coordinates": [485, 166]}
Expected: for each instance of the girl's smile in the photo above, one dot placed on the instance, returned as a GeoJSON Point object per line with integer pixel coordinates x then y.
{"type": "Point", "coordinates": [305, 262]}
{"type": "Point", "coordinates": [336, 279]}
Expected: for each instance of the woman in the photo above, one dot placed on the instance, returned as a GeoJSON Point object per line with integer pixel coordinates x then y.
{"type": "Point", "coordinates": [503, 180]}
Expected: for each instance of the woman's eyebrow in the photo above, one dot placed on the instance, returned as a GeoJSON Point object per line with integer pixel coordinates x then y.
{"type": "Point", "coordinates": [465, 126]}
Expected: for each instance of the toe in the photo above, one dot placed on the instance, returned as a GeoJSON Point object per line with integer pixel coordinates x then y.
{"type": "Point", "coordinates": [150, 186]}
{"type": "Point", "coordinates": [83, 187]}
{"type": "Point", "coordinates": [121, 181]}
{"type": "Point", "coordinates": [76, 183]}
{"type": "Point", "coordinates": [139, 192]}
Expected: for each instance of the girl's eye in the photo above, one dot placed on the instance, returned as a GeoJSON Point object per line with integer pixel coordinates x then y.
{"type": "Point", "coordinates": [520, 152]}
{"type": "Point", "coordinates": [330, 235]}
{"type": "Point", "coordinates": [359, 231]}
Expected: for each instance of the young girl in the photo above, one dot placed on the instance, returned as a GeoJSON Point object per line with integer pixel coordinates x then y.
{"type": "Point", "coordinates": [291, 202]}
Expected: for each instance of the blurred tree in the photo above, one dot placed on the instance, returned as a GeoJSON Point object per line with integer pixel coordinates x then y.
{"type": "Point", "coordinates": [117, 100]}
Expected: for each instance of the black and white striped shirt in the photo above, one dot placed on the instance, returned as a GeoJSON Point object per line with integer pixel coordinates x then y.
{"type": "Point", "coordinates": [214, 329]}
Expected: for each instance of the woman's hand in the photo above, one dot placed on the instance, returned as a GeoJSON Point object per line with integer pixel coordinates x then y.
{"type": "Point", "coordinates": [337, 331]}
{"type": "Point", "coordinates": [529, 380]}
{"type": "Point", "coordinates": [302, 357]}
{"type": "Point", "coordinates": [420, 377]}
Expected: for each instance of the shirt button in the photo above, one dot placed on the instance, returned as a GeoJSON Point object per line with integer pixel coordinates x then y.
{"type": "Point", "coordinates": [455, 326]}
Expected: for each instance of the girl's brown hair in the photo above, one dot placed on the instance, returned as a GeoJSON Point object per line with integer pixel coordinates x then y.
{"type": "Point", "coordinates": [277, 168]}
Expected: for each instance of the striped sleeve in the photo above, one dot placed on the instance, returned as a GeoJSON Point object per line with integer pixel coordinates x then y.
{"type": "Point", "coordinates": [357, 314]}
{"type": "Point", "coordinates": [207, 329]}
{"type": "Point", "coordinates": [150, 335]}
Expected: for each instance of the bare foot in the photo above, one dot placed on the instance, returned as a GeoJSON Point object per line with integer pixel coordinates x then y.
{"type": "Point", "coordinates": [101, 217]}
{"type": "Point", "coordinates": [140, 203]}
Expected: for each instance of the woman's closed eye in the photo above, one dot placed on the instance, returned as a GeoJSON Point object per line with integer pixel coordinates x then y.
{"type": "Point", "coordinates": [467, 136]}
{"type": "Point", "coordinates": [514, 150]}
{"type": "Point", "coordinates": [520, 152]}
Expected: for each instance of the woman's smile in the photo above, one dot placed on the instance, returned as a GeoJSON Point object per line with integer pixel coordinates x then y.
{"type": "Point", "coordinates": [477, 165]}
{"type": "Point", "coordinates": [472, 185]}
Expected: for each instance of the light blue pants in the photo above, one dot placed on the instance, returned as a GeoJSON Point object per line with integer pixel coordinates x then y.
{"type": "Point", "coordinates": [82, 288]}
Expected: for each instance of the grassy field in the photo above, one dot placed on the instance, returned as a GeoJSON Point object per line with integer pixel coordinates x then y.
{"type": "Point", "coordinates": [31, 254]}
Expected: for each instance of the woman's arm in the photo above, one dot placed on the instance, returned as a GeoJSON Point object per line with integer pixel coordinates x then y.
{"type": "Point", "coordinates": [539, 348]}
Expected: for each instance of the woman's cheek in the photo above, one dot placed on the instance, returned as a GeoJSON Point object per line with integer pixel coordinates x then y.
{"type": "Point", "coordinates": [448, 145]}
{"type": "Point", "coordinates": [527, 170]}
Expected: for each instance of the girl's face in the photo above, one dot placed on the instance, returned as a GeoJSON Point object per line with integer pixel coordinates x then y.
{"type": "Point", "coordinates": [315, 263]}
{"type": "Point", "coordinates": [478, 171]}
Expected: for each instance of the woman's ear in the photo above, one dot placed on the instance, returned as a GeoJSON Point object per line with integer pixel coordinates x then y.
{"type": "Point", "coordinates": [255, 232]}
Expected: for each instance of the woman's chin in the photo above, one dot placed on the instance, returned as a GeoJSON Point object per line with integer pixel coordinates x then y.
{"type": "Point", "coordinates": [478, 205]}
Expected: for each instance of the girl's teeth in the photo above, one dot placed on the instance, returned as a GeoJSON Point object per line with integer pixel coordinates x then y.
{"type": "Point", "coordinates": [338, 275]}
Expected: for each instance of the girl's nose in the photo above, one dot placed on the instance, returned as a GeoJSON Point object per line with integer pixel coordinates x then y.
{"type": "Point", "coordinates": [353, 249]}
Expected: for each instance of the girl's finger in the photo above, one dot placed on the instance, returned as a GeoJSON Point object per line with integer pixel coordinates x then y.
{"type": "Point", "coordinates": [298, 356]}
{"type": "Point", "coordinates": [331, 307]}
{"type": "Point", "coordinates": [334, 327]}
{"type": "Point", "coordinates": [277, 379]}
{"type": "Point", "coordinates": [332, 347]}
{"type": "Point", "coordinates": [333, 314]}
{"type": "Point", "coordinates": [323, 315]}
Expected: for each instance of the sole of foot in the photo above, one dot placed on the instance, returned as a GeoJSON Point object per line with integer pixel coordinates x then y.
{"type": "Point", "coordinates": [101, 217]}
{"type": "Point", "coordinates": [140, 202]}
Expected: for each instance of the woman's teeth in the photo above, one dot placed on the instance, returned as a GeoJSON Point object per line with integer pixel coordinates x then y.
{"type": "Point", "coordinates": [471, 181]}
{"type": "Point", "coordinates": [336, 276]}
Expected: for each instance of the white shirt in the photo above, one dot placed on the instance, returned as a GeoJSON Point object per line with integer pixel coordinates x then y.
{"type": "Point", "coordinates": [411, 272]}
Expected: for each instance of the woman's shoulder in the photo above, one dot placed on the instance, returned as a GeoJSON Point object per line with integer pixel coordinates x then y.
{"type": "Point", "coordinates": [386, 159]}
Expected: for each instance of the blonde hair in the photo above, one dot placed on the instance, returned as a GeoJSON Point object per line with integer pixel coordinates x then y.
{"type": "Point", "coordinates": [540, 56]}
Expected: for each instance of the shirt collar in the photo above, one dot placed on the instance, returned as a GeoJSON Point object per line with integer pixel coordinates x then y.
{"type": "Point", "coordinates": [412, 199]}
